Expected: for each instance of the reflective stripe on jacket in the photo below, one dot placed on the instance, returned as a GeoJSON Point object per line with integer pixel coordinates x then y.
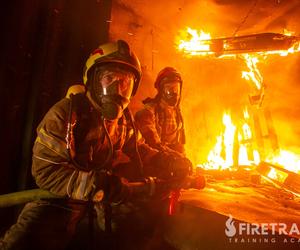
{"type": "Point", "coordinates": [53, 168]}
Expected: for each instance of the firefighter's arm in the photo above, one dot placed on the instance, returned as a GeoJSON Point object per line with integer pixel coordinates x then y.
{"type": "Point", "coordinates": [145, 122]}
{"type": "Point", "coordinates": [157, 163]}
{"type": "Point", "coordinates": [169, 169]}
{"type": "Point", "coordinates": [54, 171]}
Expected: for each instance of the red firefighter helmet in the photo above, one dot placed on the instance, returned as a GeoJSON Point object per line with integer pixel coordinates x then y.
{"type": "Point", "coordinates": [167, 74]}
{"type": "Point", "coordinates": [115, 52]}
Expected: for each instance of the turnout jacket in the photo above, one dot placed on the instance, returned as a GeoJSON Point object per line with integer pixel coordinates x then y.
{"type": "Point", "coordinates": [161, 127]}
{"type": "Point", "coordinates": [71, 148]}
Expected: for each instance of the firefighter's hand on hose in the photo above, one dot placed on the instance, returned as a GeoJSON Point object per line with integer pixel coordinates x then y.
{"type": "Point", "coordinates": [194, 181]}
{"type": "Point", "coordinates": [168, 166]}
{"type": "Point", "coordinates": [160, 189]}
{"type": "Point", "coordinates": [120, 190]}
{"type": "Point", "coordinates": [116, 189]}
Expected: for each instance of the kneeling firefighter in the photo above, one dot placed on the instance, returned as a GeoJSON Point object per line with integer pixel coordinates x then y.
{"type": "Point", "coordinates": [86, 152]}
{"type": "Point", "coordinates": [160, 120]}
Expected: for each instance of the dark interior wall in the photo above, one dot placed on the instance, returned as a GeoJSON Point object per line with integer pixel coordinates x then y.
{"type": "Point", "coordinates": [44, 45]}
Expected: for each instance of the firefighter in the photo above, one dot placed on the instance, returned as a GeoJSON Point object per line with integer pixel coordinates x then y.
{"type": "Point", "coordinates": [160, 121]}
{"type": "Point", "coordinates": [87, 152]}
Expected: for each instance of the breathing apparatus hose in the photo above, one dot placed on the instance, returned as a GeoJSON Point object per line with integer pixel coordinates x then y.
{"type": "Point", "coordinates": [110, 150]}
{"type": "Point", "coordinates": [128, 115]}
{"type": "Point", "coordinates": [68, 138]}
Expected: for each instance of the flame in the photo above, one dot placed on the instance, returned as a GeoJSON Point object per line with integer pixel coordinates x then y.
{"type": "Point", "coordinates": [198, 43]}
{"type": "Point", "coordinates": [194, 43]}
{"type": "Point", "coordinates": [238, 139]}
{"type": "Point", "coordinates": [222, 155]}
{"type": "Point", "coordinates": [228, 139]}
{"type": "Point", "coordinates": [236, 145]}
{"type": "Point", "coordinates": [288, 32]}
{"type": "Point", "coordinates": [277, 175]}
{"type": "Point", "coordinates": [293, 49]}
{"type": "Point", "coordinates": [253, 74]}
{"type": "Point", "coordinates": [287, 159]}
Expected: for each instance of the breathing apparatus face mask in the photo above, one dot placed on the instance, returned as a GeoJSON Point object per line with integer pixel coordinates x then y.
{"type": "Point", "coordinates": [111, 89]}
{"type": "Point", "coordinates": [171, 92]}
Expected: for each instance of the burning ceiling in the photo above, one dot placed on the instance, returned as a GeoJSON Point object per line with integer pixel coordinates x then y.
{"type": "Point", "coordinates": [239, 110]}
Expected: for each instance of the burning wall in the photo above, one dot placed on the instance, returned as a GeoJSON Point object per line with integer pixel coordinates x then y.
{"type": "Point", "coordinates": [211, 85]}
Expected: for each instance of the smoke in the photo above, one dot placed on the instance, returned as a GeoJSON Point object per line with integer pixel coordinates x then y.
{"type": "Point", "coordinates": [211, 85]}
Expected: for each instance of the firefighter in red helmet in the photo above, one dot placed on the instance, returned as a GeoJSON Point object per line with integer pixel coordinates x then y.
{"type": "Point", "coordinates": [160, 121]}
{"type": "Point", "coordinates": [82, 145]}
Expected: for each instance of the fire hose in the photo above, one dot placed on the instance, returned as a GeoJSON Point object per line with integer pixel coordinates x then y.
{"type": "Point", "coordinates": [17, 198]}
{"type": "Point", "coordinates": [149, 185]}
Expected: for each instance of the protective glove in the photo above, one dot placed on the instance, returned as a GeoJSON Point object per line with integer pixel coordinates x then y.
{"type": "Point", "coordinates": [194, 181]}
{"type": "Point", "coordinates": [121, 190]}
{"type": "Point", "coordinates": [170, 171]}
{"type": "Point", "coordinates": [169, 166]}
{"type": "Point", "coordinates": [116, 189]}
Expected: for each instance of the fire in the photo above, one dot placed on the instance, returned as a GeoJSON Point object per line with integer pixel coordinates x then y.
{"type": "Point", "coordinates": [288, 32]}
{"type": "Point", "coordinates": [247, 154]}
{"type": "Point", "coordinates": [234, 142]}
{"type": "Point", "coordinates": [236, 145]}
{"type": "Point", "coordinates": [233, 136]}
{"type": "Point", "coordinates": [237, 140]}
{"type": "Point", "coordinates": [293, 49]}
{"type": "Point", "coordinates": [253, 74]}
{"type": "Point", "coordinates": [221, 156]}
{"type": "Point", "coordinates": [287, 159]}
{"type": "Point", "coordinates": [193, 42]}
{"type": "Point", "coordinates": [277, 175]}
{"type": "Point", "coordinates": [198, 43]}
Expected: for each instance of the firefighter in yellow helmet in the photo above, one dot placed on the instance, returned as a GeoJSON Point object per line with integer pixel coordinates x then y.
{"type": "Point", "coordinates": [85, 147]}
{"type": "Point", "coordinates": [160, 121]}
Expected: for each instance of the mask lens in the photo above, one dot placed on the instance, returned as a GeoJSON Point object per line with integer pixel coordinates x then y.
{"type": "Point", "coordinates": [117, 82]}
{"type": "Point", "coordinates": [172, 89]}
